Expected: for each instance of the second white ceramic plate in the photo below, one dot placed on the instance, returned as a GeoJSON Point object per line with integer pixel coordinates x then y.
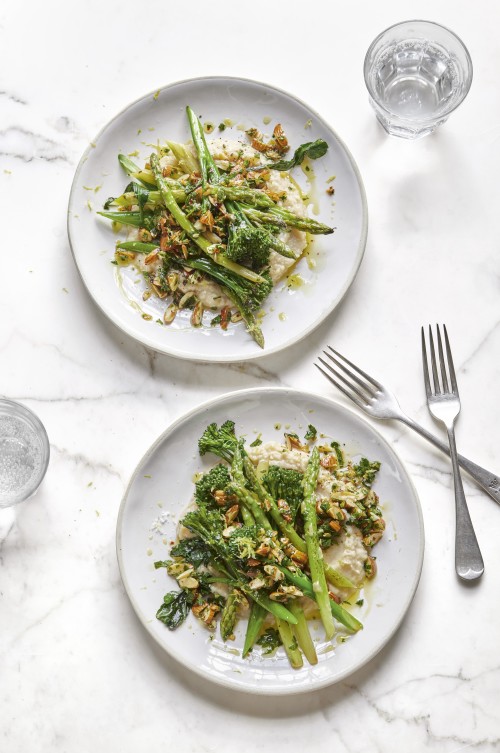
{"type": "Point", "coordinates": [291, 312]}
{"type": "Point", "coordinates": [161, 488]}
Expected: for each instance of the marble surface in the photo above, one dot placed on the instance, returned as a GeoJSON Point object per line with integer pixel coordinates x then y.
{"type": "Point", "coordinates": [77, 671]}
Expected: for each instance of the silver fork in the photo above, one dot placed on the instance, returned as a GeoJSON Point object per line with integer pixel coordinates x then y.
{"type": "Point", "coordinates": [379, 402]}
{"type": "Point", "coordinates": [443, 402]}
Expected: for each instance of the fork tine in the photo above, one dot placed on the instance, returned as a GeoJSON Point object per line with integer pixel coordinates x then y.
{"type": "Point", "coordinates": [364, 396]}
{"type": "Point", "coordinates": [437, 388]}
{"type": "Point", "coordinates": [351, 395]}
{"type": "Point", "coordinates": [353, 366]}
{"type": "Point", "coordinates": [454, 385]}
{"type": "Point", "coordinates": [442, 360]}
{"type": "Point", "coordinates": [425, 364]}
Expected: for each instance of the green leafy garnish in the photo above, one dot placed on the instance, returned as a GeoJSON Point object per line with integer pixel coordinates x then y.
{"type": "Point", "coordinates": [367, 471]}
{"type": "Point", "coordinates": [270, 641]}
{"type": "Point", "coordinates": [311, 433]}
{"type": "Point", "coordinates": [175, 608]}
{"type": "Point", "coordinates": [313, 150]}
{"type": "Point", "coordinates": [194, 551]}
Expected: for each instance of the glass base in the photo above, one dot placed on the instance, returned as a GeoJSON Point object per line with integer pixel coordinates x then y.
{"type": "Point", "coordinates": [406, 130]}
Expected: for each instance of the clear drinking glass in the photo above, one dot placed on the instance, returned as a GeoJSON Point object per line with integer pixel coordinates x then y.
{"type": "Point", "coordinates": [416, 73]}
{"type": "Point", "coordinates": [24, 452]}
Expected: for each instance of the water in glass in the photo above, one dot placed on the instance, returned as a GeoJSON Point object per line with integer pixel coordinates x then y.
{"type": "Point", "coordinates": [21, 459]}
{"type": "Point", "coordinates": [415, 80]}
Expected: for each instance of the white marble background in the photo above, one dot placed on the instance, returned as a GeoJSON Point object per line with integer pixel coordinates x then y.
{"type": "Point", "coordinates": [77, 671]}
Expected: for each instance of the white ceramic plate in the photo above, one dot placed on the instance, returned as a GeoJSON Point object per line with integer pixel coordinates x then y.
{"type": "Point", "coordinates": [291, 313]}
{"type": "Point", "coordinates": [160, 490]}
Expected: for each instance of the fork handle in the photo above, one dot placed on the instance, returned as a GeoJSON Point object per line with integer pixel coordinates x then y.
{"type": "Point", "coordinates": [468, 560]}
{"type": "Point", "coordinates": [488, 481]}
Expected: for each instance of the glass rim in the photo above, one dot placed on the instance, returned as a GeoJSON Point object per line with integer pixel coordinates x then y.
{"type": "Point", "coordinates": [15, 408]}
{"type": "Point", "coordinates": [446, 111]}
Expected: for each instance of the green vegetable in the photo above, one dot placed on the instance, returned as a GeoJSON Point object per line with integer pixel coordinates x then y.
{"type": "Point", "coordinates": [229, 616]}
{"type": "Point", "coordinates": [270, 641]}
{"type": "Point", "coordinates": [254, 626]}
{"type": "Point", "coordinates": [133, 170]}
{"type": "Point", "coordinates": [290, 644]}
{"type": "Point", "coordinates": [367, 471]}
{"type": "Point", "coordinates": [219, 440]}
{"type": "Point", "coordinates": [208, 524]}
{"type": "Point", "coordinates": [175, 608]}
{"type": "Point", "coordinates": [246, 295]}
{"type": "Point", "coordinates": [313, 150]}
{"type": "Point", "coordinates": [285, 483]}
{"type": "Point", "coordinates": [223, 442]}
{"type": "Point", "coordinates": [314, 554]}
{"type": "Point", "coordinates": [217, 478]}
{"type": "Point", "coordinates": [301, 630]}
{"type": "Point", "coordinates": [137, 246]}
{"type": "Point", "coordinates": [338, 452]}
{"type": "Point", "coordinates": [173, 207]}
{"type": "Point", "coordinates": [301, 580]}
{"type": "Point", "coordinates": [311, 433]}
{"type": "Point", "coordinates": [124, 218]}
{"type": "Point", "coordinates": [192, 550]}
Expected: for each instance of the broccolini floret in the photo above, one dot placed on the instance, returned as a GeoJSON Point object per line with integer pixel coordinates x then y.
{"type": "Point", "coordinates": [219, 440]}
{"type": "Point", "coordinates": [216, 479]}
{"type": "Point", "coordinates": [249, 245]}
{"type": "Point", "coordinates": [285, 484]}
{"type": "Point", "coordinates": [243, 542]}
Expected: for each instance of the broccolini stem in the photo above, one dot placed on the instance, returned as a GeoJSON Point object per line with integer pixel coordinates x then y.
{"type": "Point", "coordinates": [206, 265]}
{"type": "Point", "coordinates": [254, 626]}
{"type": "Point", "coordinates": [248, 317]}
{"type": "Point", "coordinates": [290, 644]}
{"type": "Point", "coordinates": [314, 553]}
{"type": "Point", "coordinates": [301, 630]}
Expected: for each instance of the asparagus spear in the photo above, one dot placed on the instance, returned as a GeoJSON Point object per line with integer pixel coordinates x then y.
{"type": "Point", "coordinates": [254, 626]}
{"type": "Point", "coordinates": [301, 630]}
{"type": "Point", "coordinates": [290, 644]}
{"type": "Point", "coordinates": [229, 614]}
{"type": "Point", "coordinates": [314, 553]}
{"type": "Point", "coordinates": [300, 579]}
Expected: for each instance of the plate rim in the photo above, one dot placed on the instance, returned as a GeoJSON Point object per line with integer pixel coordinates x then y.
{"type": "Point", "coordinates": [171, 351]}
{"type": "Point", "coordinates": [238, 394]}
